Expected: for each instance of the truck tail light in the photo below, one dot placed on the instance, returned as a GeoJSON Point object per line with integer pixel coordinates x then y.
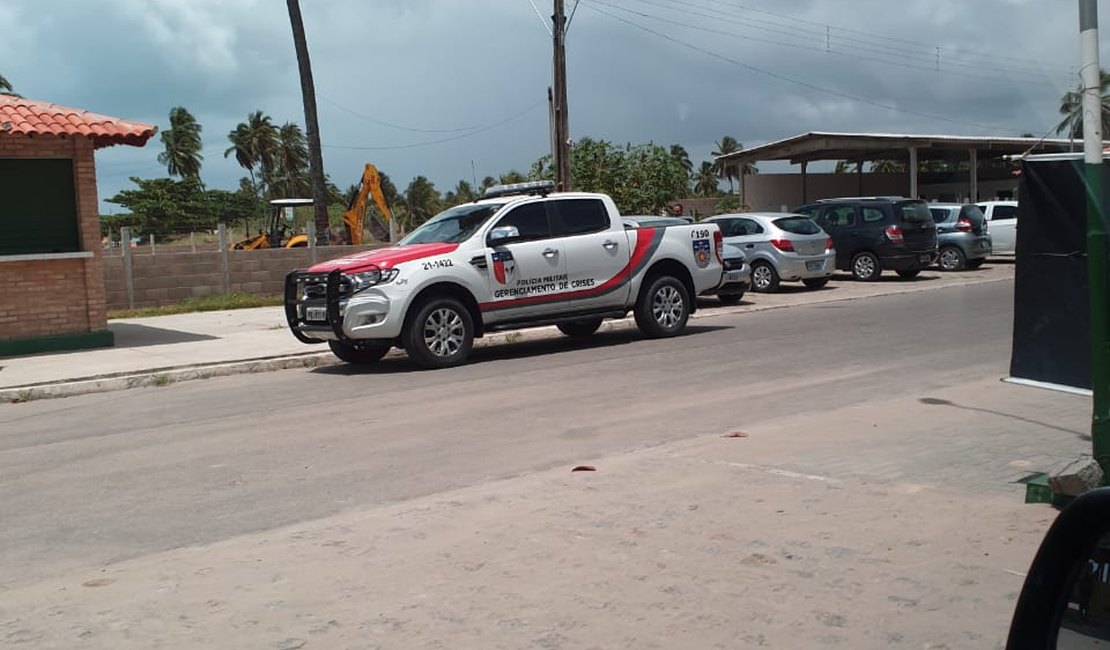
{"type": "Point", "coordinates": [719, 246]}
{"type": "Point", "coordinates": [784, 245]}
{"type": "Point", "coordinates": [963, 225]}
{"type": "Point", "coordinates": [829, 244]}
{"type": "Point", "coordinates": [894, 234]}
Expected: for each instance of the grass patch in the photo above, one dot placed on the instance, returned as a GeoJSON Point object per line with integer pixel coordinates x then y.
{"type": "Point", "coordinates": [161, 379]}
{"type": "Point", "coordinates": [206, 303]}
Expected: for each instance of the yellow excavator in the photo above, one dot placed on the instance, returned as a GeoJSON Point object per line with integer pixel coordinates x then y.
{"type": "Point", "coordinates": [355, 216]}
{"type": "Point", "coordinates": [281, 214]}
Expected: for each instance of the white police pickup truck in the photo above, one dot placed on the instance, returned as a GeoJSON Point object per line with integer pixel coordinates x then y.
{"type": "Point", "coordinates": [519, 257]}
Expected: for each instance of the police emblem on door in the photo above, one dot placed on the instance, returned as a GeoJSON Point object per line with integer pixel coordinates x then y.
{"type": "Point", "coordinates": [504, 267]}
{"type": "Point", "coordinates": [701, 252]}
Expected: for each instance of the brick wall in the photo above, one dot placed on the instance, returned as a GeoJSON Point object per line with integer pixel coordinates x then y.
{"type": "Point", "coordinates": [42, 282]}
{"type": "Point", "coordinates": [165, 278]}
{"type": "Point", "coordinates": [43, 298]}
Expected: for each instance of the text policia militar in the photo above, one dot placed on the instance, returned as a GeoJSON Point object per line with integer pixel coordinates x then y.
{"type": "Point", "coordinates": [543, 285]}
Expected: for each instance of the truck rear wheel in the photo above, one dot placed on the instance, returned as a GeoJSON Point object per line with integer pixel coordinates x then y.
{"type": "Point", "coordinates": [360, 352]}
{"type": "Point", "coordinates": [663, 308]}
{"type": "Point", "coordinates": [439, 334]}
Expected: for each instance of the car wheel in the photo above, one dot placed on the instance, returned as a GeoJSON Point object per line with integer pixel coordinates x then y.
{"type": "Point", "coordinates": [815, 283]}
{"type": "Point", "coordinates": [764, 278]}
{"type": "Point", "coordinates": [730, 298]}
{"type": "Point", "coordinates": [580, 328]}
{"type": "Point", "coordinates": [663, 308]}
{"type": "Point", "coordinates": [360, 352]}
{"type": "Point", "coordinates": [866, 267]}
{"type": "Point", "coordinates": [974, 264]}
{"type": "Point", "coordinates": [909, 274]}
{"type": "Point", "coordinates": [951, 258]}
{"type": "Point", "coordinates": [439, 334]}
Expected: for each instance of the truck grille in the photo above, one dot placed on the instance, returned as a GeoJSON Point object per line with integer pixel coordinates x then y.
{"type": "Point", "coordinates": [314, 286]}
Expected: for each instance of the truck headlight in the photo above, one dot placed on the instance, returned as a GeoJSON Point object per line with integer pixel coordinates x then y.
{"type": "Point", "coordinates": [367, 279]}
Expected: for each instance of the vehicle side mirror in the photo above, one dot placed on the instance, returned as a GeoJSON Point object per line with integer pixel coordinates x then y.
{"type": "Point", "coordinates": [1065, 602]}
{"type": "Point", "coordinates": [503, 235]}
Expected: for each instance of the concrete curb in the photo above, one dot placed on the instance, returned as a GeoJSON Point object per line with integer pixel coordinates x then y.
{"type": "Point", "coordinates": [173, 375]}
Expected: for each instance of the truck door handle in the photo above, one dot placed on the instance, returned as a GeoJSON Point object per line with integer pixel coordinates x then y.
{"type": "Point", "coordinates": [609, 245]}
{"type": "Point", "coordinates": [479, 261]}
{"type": "Point", "coordinates": [550, 252]}
{"type": "Point", "coordinates": [749, 246]}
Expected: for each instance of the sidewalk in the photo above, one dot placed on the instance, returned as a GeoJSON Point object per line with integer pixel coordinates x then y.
{"type": "Point", "coordinates": [167, 349]}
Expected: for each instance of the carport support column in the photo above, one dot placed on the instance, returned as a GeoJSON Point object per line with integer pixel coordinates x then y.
{"type": "Point", "coordinates": [805, 194]}
{"type": "Point", "coordinates": [973, 174]}
{"type": "Point", "coordinates": [912, 169]}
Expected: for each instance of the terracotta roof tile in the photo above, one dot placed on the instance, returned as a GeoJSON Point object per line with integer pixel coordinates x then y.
{"type": "Point", "coordinates": [20, 116]}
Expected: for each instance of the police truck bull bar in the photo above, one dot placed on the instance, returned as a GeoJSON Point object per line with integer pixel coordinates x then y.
{"type": "Point", "coordinates": [303, 287]}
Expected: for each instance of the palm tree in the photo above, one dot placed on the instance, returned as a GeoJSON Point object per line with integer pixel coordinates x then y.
{"type": "Point", "coordinates": [6, 87]}
{"type": "Point", "coordinates": [512, 176]}
{"type": "Point", "coordinates": [464, 193]}
{"type": "Point", "coordinates": [308, 95]}
{"type": "Point", "coordinates": [705, 181]}
{"type": "Point", "coordinates": [727, 145]}
{"type": "Point", "coordinates": [182, 156]}
{"type": "Point", "coordinates": [1071, 107]}
{"type": "Point", "coordinates": [843, 167]}
{"type": "Point", "coordinates": [255, 144]}
{"type": "Point", "coordinates": [289, 176]}
{"type": "Point", "coordinates": [678, 152]}
{"type": "Point", "coordinates": [487, 182]}
{"type": "Point", "coordinates": [887, 166]}
{"type": "Point", "coordinates": [422, 200]}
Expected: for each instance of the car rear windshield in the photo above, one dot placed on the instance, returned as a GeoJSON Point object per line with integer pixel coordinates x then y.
{"type": "Point", "coordinates": [913, 212]}
{"type": "Point", "coordinates": [798, 225]}
{"type": "Point", "coordinates": [973, 212]}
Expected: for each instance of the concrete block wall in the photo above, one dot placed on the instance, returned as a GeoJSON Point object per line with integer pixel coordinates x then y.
{"type": "Point", "coordinates": [165, 278]}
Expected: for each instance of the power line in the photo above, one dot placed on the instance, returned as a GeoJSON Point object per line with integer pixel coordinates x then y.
{"type": "Point", "coordinates": [925, 61]}
{"type": "Point", "coordinates": [440, 140]}
{"type": "Point", "coordinates": [540, 16]}
{"type": "Point", "coordinates": [873, 35]}
{"type": "Point", "coordinates": [391, 125]}
{"type": "Point", "coordinates": [775, 75]}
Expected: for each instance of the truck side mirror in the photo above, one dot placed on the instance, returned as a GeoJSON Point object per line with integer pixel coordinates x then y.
{"type": "Point", "coordinates": [503, 235]}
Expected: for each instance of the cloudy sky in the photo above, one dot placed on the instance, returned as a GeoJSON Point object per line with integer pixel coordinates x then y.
{"type": "Point", "coordinates": [456, 89]}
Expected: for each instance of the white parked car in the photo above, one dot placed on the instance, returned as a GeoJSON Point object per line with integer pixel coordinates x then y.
{"type": "Point", "coordinates": [1002, 224]}
{"type": "Point", "coordinates": [780, 246]}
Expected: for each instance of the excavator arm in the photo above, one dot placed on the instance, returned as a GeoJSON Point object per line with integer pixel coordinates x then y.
{"type": "Point", "coordinates": [355, 216]}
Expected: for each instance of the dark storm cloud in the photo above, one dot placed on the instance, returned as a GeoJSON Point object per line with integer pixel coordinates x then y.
{"type": "Point", "coordinates": [435, 66]}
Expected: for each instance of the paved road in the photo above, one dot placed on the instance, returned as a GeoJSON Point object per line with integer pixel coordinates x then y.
{"type": "Point", "coordinates": [102, 478]}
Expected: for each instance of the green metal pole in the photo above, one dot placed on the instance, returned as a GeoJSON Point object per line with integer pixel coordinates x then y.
{"type": "Point", "coordinates": [1099, 317]}
{"type": "Point", "coordinates": [1098, 296]}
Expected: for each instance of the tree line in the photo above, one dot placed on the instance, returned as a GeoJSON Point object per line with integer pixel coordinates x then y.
{"type": "Point", "coordinates": [642, 179]}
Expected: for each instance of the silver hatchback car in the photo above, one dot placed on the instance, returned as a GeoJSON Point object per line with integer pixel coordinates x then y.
{"type": "Point", "coordinates": [780, 246]}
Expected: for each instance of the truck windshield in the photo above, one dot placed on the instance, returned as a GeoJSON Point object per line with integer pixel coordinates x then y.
{"type": "Point", "coordinates": [452, 226]}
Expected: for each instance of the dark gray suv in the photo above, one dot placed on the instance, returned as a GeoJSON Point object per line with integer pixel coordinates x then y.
{"type": "Point", "coordinates": [874, 234]}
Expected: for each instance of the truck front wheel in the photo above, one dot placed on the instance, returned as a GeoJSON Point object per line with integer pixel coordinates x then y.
{"type": "Point", "coordinates": [360, 352]}
{"type": "Point", "coordinates": [439, 334]}
{"type": "Point", "coordinates": [580, 328]}
{"type": "Point", "coordinates": [663, 308]}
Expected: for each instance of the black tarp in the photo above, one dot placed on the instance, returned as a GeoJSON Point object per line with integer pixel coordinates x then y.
{"type": "Point", "coordinates": [1051, 328]}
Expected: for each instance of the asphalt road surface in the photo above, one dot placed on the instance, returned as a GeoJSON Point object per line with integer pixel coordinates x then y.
{"type": "Point", "coordinates": [102, 478]}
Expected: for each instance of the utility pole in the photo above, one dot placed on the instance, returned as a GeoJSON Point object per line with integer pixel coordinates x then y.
{"type": "Point", "coordinates": [312, 126]}
{"type": "Point", "coordinates": [1096, 234]}
{"type": "Point", "coordinates": [562, 119]}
